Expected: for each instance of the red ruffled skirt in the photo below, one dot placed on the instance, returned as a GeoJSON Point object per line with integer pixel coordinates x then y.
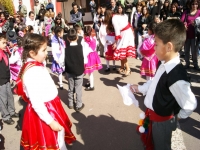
{"type": "Point", "coordinates": [37, 135]}
{"type": "Point", "coordinates": [109, 53]}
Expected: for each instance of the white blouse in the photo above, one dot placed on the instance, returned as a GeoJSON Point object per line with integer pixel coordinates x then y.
{"type": "Point", "coordinates": [109, 41]}
{"type": "Point", "coordinates": [39, 88]}
{"type": "Point", "coordinates": [15, 58]}
{"type": "Point", "coordinates": [119, 22]}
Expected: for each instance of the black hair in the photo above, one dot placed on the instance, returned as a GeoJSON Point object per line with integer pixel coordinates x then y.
{"type": "Point", "coordinates": [29, 28]}
{"type": "Point", "coordinates": [66, 30]}
{"type": "Point", "coordinates": [123, 9]}
{"type": "Point", "coordinates": [4, 15]}
{"type": "Point", "coordinates": [57, 30]}
{"type": "Point", "coordinates": [19, 41]}
{"type": "Point", "coordinates": [172, 30]}
{"type": "Point", "coordinates": [72, 34]}
{"type": "Point", "coordinates": [2, 36]}
{"type": "Point", "coordinates": [152, 26]}
{"type": "Point", "coordinates": [31, 12]}
{"type": "Point", "coordinates": [58, 18]}
{"type": "Point", "coordinates": [87, 30]}
{"type": "Point", "coordinates": [103, 5]}
{"type": "Point", "coordinates": [32, 42]}
{"type": "Point", "coordinates": [77, 27]}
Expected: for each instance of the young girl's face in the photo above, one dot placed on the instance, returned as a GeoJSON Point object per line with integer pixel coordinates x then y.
{"type": "Point", "coordinates": [150, 32]}
{"type": "Point", "coordinates": [60, 34]}
{"type": "Point", "coordinates": [41, 55]}
{"type": "Point", "coordinates": [2, 17]}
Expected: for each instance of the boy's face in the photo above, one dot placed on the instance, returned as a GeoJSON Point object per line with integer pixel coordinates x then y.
{"type": "Point", "coordinates": [160, 49]}
{"type": "Point", "coordinates": [3, 43]}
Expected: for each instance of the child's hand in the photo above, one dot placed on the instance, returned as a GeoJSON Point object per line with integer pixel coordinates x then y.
{"type": "Point", "coordinates": [134, 88]}
{"type": "Point", "coordinates": [55, 126]}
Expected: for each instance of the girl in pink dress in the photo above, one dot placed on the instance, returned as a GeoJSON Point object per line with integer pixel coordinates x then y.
{"type": "Point", "coordinates": [47, 22]}
{"type": "Point", "coordinates": [150, 60]}
{"type": "Point", "coordinates": [15, 59]}
{"type": "Point", "coordinates": [93, 63]}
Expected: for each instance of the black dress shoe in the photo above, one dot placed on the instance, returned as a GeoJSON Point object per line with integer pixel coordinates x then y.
{"type": "Point", "coordinates": [186, 66]}
{"type": "Point", "coordinates": [196, 68]}
{"type": "Point", "coordinates": [87, 85]}
{"type": "Point", "coordinates": [89, 88]}
{"type": "Point", "coordinates": [15, 115]}
{"type": "Point", "coordinates": [78, 109]}
{"type": "Point", "coordinates": [107, 70]}
{"type": "Point", "coordinates": [114, 68]}
{"type": "Point", "coordinates": [9, 121]}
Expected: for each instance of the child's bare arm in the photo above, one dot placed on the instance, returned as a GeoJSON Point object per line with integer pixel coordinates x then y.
{"type": "Point", "coordinates": [55, 126]}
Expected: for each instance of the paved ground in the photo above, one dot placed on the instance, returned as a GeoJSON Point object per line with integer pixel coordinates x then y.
{"type": "Point", "coordinates": [106, 123]}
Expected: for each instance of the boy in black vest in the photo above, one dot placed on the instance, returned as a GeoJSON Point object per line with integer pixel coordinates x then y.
{"type": "Point", "coordinates": [74, 67]}
{"type": "Point", "coordinates": [168, 96]}
{"type": "Point", "coordinates": [7, 107]}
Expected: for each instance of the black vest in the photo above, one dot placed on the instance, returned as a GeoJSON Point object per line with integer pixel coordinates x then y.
{"type": "Point", "coordinates": [164, 103]}
{"type": "Point", "coordinates": [4, 72]}
{"type": "Point", "coordinates": [74, 60]}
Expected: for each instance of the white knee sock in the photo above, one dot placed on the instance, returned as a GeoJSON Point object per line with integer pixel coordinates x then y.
{"type": "Point", "coordinates": [60, 79]}
{"type": "Point", "coordinates": [107, 63]}
{"type": "Point", "coordinates": [91, 80]}
{"type": "Point", "coordinates": [113, 63]}
{"type": "Point", "coordinates": [149, 78]}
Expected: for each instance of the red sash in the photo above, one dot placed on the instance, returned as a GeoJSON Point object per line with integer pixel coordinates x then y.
{"type": "Point", "coordinates": [147, 137]}
{"type": "Point", "coordinates": [19, 84]}
{"type": "Point", "coordinates": [125, 28]}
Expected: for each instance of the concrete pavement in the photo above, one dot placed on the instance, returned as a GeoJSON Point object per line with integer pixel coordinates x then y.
{"type": "Point", "coordinates": [106, 123]}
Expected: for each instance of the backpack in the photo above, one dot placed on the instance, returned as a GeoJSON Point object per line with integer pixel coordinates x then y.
{"type": "Point", "coordinates": [197, 26]}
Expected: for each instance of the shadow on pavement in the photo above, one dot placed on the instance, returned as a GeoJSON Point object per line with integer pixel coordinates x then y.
{"type": "Point", "coordinates": [113, 82]}
{"type": "Point", "coordinates": [105, 133]}
{"type": "Point", "coordinates": [2, 139]}
{"type": "Point", "coordinates": [21, 112]}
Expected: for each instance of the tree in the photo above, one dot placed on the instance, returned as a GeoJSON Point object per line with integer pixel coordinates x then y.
{"type": "Point", "coordinates": [8, 5]}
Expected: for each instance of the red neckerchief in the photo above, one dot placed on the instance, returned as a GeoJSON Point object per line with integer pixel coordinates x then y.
{"type": "Point", "coordinates": [19, 90]}
{"type": "Point", "coordinates": [3, 56]}
{"type": "Point", "coordinates": [2, 24]}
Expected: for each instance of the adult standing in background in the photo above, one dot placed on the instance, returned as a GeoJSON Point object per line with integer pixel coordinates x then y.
{"type": "Point", "coordinates": [22, 9]}
{"type": "Point", "coordinates": [36, 9]}
{"type": "Point", "coordinates": [50, 6]}
{"type": "Point", "coordinates": [76, 16]}
{"type": "Point", "coordinates": [114, 7]}
{"type": "Point", "coordinates": [188, 18]}
{"type": "Point", "coordinates": [124, 40]}
{"type": "Point", "coordinates": [31, 21]}
{"type": "Point", "coordinates": [92, 8]}
{"type": "Point", "coordinates": [128, 8]}
{"type": "Point", "coordinates": [41, 14]}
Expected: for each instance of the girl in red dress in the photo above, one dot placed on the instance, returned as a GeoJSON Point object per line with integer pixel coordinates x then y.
{"type": "Point", "coordinates": [45, 123]}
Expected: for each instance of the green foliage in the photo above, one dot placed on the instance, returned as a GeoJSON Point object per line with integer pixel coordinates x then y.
{"type": "Point", "coordinates": [8, 5]}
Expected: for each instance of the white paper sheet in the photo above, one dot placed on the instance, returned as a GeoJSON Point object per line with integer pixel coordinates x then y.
{"type": "Point", "coordinates": [61, 141]}
{"type": "Point", "coordinates": [127, 95]}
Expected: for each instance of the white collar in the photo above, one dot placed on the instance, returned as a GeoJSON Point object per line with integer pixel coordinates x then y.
{"type": "Point", "coordinates": [73, 43]}
{"type": "Point", "coordinates": [171, 64]}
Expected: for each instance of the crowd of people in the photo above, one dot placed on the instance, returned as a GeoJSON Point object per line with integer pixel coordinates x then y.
{"type": "Point", "coordinates": [140, 29]}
